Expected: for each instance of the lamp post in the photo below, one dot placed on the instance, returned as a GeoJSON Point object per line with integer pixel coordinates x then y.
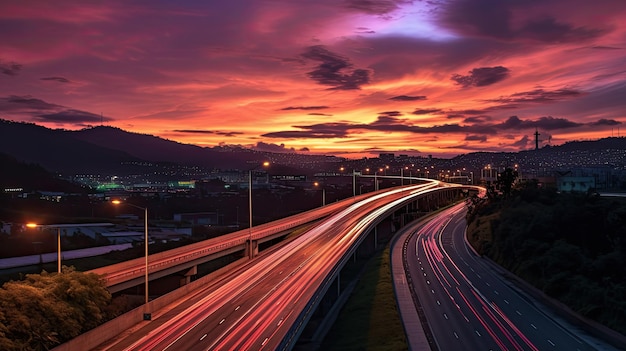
{"type": "Point", "coordinates": [323, 193]}
{"type": "Point", "coordinates": [146, 315]}
{"type": "Point", "coordinates": [264, 164]}
{"type": "Point", "coordinates": [34, 225]}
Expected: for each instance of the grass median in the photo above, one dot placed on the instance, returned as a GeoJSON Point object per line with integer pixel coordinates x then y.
{"type": "Point", "coordinates": [370, 319]}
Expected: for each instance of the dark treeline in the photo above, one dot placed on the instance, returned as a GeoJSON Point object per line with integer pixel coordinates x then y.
{"type": "Point", "coordinates": [571, 246]}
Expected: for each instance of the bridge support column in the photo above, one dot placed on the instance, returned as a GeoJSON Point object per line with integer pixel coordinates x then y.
{"type": "Point", "coordinates": [187, 276]}
{"type": "Point", "coordinates": [252, 248]}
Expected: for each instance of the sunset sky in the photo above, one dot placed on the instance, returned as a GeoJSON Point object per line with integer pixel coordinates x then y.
{"type": "Point", "coordinates": [349, 78]}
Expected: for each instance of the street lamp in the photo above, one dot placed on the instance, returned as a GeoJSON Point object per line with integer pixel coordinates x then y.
{"type": "Point", "coordinates": [35, 225]}
{"type": "Point", "coordinates": [147, 315]}
{"type": "Point", "coordinates": [264, 164]}
{"type": "Point", "coordinates": [323, 193]}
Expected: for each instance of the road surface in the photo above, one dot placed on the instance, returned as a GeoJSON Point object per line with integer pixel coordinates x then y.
{"type": "Point", "coordinates": [467, 305]}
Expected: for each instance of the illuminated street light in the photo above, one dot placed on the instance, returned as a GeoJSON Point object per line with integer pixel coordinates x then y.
{"type": "Point", "coordinates": [147, 315]}
{"type": "Point", "coordinates": [35, 225]}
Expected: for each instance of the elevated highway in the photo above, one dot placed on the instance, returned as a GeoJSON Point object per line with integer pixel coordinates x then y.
{"type": "Point", "coordinates": [267, 303]}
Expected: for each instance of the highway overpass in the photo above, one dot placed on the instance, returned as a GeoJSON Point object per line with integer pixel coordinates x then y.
{"type": "Point", "coordinates": [267, 303]}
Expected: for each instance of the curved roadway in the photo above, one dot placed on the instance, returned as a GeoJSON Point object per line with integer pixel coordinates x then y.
{"type": "Point", "coordinates": [253, 308]}
{"type": "Point", "coordinates": [467, 305]}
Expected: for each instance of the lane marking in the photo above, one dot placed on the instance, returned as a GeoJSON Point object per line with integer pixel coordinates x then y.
{"type": "Point", "coordinates": [203, 336]}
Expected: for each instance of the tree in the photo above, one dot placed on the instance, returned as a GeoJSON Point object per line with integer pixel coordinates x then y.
{"type": "Point", "coordinates": [47, 309]}
{"type": "Point", "coordinates": [505, 181]}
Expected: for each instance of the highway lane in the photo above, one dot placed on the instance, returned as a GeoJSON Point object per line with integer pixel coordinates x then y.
{"type": "Point", "coordinates": [467, 305]}
{"type": "Point", "coordinates": [134, 269]}
{"type": "Point", "coordinates": [254, 308]}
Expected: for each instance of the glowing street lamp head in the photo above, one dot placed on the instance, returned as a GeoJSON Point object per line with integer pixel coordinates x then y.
{"type": "Point", "coordinates": [32, 225]}
{"type": "Point", "coordinates": [266, 164]}
{"type": "Point", "coordinates": [116, 202]}
{"type": "Point", "coordinates": [316, 183]}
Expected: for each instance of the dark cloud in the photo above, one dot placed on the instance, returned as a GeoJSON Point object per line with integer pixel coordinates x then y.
{"type": "Point", "coordinates": [476, 128]}
{"type": "Point", "coordinates": [477, 119]}
{"type": "Point", "coordinates": [408, 98]}
{"type": "Point", "coordinates": [305, 108]}
{"type": "Point", "coordinates": [482, 76]}
{"type": "Point", "coordinates": [269, 147]}
{"type": "Point", "coordinates": [480, 138]}
{"type": "Point", "coordinates": [390, 113]}
{"type": "Point", "coordinates": [10, 68]}
{"type": "Point", "coordinates": [373, 7]}
{"type": "Point", "coordinates": [25, 103]}
{"type": "Point", "coordinates": [545, 123]}
{"type": "Point", "coordinates": [426, 111]}
{"type": "Point", "coordinates": [601, 47]}
{"type": "Point", "coordinates": [72, 116]}
{"type": "Point", "coordinates": [549, 30]}
{"type": "Point", "coordinates": [319, 114]}
{"type": "Point", "coordinates": [494, 19]}
{"type": "Point", "coordinates": [335, 70]}
{"type": "Point", "coordinates": [201, 131]}
{"type": "Point", "coordinates": [605, 122]}
{"type": "Point", "coordinates": [56, 79]}
{"type": "Point", "coordinates": [364, 30]}
{"type": "Point", "coordinates": [522, 143]}
{"type": "Point", "coordinates": [306, 134]}
{"type": "Point", "coordinates": [539, 96]}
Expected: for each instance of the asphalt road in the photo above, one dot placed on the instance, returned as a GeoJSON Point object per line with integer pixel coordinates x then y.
{"type": "Point", "coordinates": [252, 307]}
{"type": "Point", "coordinates": [467, 305]}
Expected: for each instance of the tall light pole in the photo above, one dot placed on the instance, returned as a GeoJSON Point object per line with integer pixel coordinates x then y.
{"type": "Point", "coordinates": [146, 315]}
{"type": "Point", "coordinates": [34, 225]}
{"type": "Point", "coordinates": [264, 164]}
{"type": "Point", "coordinates": [323, 193]}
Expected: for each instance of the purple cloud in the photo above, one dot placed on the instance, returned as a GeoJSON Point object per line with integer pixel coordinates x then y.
{"type": "Point", "coordinates": [72, 116]}
{"type": "Point", "coordinates": [335, 70]}
{"type": "Point", "coordinates": [426, 111]}
{"type": "Point", "coordinates": [304, 108]}
{"type": "Point", "coordinates": [56, 79]}
{"type": "Point", "coordinates": [408, 98]}
{"type": "Point", "coordinates": [10, 68]}
{"type": "Point", "coordinates": [483, 76]}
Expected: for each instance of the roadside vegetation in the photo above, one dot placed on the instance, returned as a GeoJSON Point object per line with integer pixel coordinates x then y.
{"type": "Point", "coordinates": [370, 319]}
{"type": "Point", "coordinates": [571, 246]}
{"type": "Point", "coordinates": [44, 310]}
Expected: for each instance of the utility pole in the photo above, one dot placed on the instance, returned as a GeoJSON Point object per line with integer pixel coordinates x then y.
{"type": "Point", "coordinates": [536, 139]}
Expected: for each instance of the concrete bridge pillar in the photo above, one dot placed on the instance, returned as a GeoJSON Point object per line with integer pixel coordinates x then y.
{"type": "Point", "coordinates": [187, 276]}
{"type": "Point", "coordinates": [252, 248]}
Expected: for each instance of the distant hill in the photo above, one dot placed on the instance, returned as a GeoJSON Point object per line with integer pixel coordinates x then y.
{"type": "Point", "coordinates": [56, 150]}
{"type": "Point", "coordinates": [108, 149]}
{"type": "Point", "coordinates": [152, 148]}
{"type": "Point", "coordinates": [31, 177]}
